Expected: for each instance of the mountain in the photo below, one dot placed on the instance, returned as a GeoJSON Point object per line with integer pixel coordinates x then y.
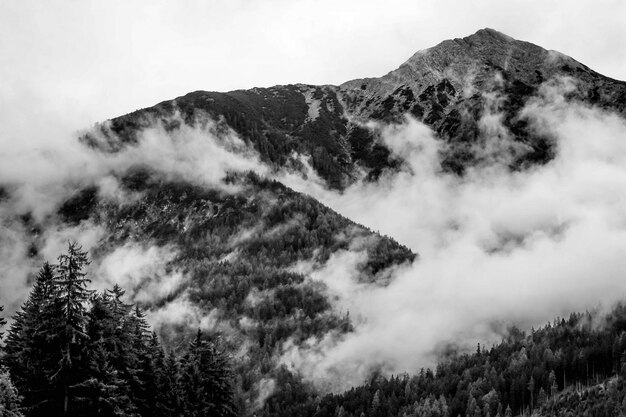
{"type": "Point", "coordinates": [449, 87]}
{"type": "Point", "coordinates": [239, 253]}
{"type": "Point", "coordinates": [245, 256]}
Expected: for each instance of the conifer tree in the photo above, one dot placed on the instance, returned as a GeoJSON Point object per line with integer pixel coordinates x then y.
{"type": "Point", "coordinates": [105, 388]}
{"type": "Point", "coordinates": [168, 379]}
{"type": "Point", "coordinates": [73, 352]}
{"type": "Point", "coordinates": [72, 294]}
{"type": "Point", "coordinates": [103, 393]}
{"type": "Point", "coordinates": [205, 381]}
{"type": "Point", "coordinates": [139, 371]}
{"type": "Point", "coordinates": [9, 398]}
{"type": "Point", "coordinates": [28, 352]}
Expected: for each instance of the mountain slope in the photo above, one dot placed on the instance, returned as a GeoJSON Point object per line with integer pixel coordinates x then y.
{"type": "Point", "coordinates": [567, 368]}
{"type": "Point", "coordinates": [237, 258]}
{"type": "Point", "coordinates": [452, 85]}
{"type": "Point", "coordinates": [449, 87]}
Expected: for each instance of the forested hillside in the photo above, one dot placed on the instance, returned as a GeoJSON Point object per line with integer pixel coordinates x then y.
{"type": "Point", "coordinates": [238, 251]}
{"type": "Point", "coordinates": [571, 367]}
{"type": "Point", "coordinates": [73, 351]}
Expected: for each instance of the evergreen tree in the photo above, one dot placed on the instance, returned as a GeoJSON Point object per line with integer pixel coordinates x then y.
{"type": "Point", "coordinates": [29, 351]}
{"type": "Point", "coordinates": [552, 381]}
{"type": "Point", "coordinates": [9, 398]}
{"type": "Point", "coordinates": [168, 376]}
{"type": "Point", "coordinates": [376, 401]}
{"type": "Point", "coordinates": [139, 362]}
{"type": "Point", "coordinates": [73, 352]}
{"type": "Point", "coordinates": [105, 389]}
{"type": "Point", "coordinates": [531, 388]}
{"type": "Point", "coordinates": [72, 294]}
{"type": "Point", "coordinates": [103, 393]}
{"type": "Point", "coordinates": [205, 381]}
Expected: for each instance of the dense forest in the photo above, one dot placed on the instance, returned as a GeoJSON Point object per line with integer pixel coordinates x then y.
{"type": "Point", "coordinates": [72, 351]}
{"type": "Point", "coordinates": [238, 250]}
{"type": "Point", "coordinates": [570, 367]}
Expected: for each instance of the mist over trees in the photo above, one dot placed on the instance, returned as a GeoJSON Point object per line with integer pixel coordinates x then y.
{"type": "Point", "coordinates": [72, 351]}
{"type": "Point", "coordinates": [570, 367]}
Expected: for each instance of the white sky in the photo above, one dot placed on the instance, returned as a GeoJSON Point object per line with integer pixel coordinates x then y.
{"type": "Point", "coordinates": [85, 61]}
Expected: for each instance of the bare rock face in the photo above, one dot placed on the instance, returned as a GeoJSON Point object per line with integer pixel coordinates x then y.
{"type": "Point", "coordinates": [467, 66]}
{"type": "Point", "coordinates": [449, 87]}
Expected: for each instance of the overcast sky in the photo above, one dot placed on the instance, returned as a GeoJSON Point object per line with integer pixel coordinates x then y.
{"type": "Point", "coordinates": [84, 61]}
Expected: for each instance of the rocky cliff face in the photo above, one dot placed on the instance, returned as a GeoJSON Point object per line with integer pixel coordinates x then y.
{"type": "Point", "coordinates": [452, 85]}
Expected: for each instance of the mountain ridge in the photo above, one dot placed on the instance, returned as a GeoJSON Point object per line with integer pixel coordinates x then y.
{"type": "Point", "coordinates": [445, 87]}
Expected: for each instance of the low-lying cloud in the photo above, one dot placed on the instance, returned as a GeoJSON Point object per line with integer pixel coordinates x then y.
{"type": "Point", "coordinates": [496, 247]}
{"type": "Point", "coordinates": [40, 170]}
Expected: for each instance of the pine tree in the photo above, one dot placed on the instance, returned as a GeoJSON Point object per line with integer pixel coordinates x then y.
{"type": "Point", "coordinates": [73, 352]}
{"type": "Point", "coordinates": [206, 381]}
{"type": "Point", "coordinates": [375, 401]}
{"type": "Point", "coordinates": [139, 361]}
{"type": "Point", "coordinates": [531, 388]}
{"type": "Point", "coordinates": [105, 390]}
{"type": "Point", "coordinates": [443, 404]}
{"type": "Point", "coordinates": [103, 393]}
{"type": "Point", "coordinates": [9, 398]}
{"type": "Point", "coordinates": [29, 351]}
{"type": "Point", "coordinates": [156, 381]}
{"type": "Point", "coordinates": [553, 385]}
{"type": "Point", "coordinates": [168, 380]}
{"type": "Point", "coordinates": [472, 407]}
{"type": "Point", "coordinates": [72, 294]}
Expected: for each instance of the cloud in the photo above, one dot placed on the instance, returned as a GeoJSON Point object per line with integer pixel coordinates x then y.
{"type": "Point", "coordinates": [40, 177]}
{"type": "Point", "coordinates": [40, 172]}
{"type": "Point", "coordinates": [182, 312]}
{"type": "Point", "coordinates": [16, 265]}
{"type": "Point", "coordinates": [144, 272]}
{"type": "Point", "coordinates": [148, 276]}
{"type": "Point", "coordinates": [496, 247]}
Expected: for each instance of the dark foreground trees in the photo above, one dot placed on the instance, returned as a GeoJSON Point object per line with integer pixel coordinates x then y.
{"type": "Point", "coordinates": [73, 352]}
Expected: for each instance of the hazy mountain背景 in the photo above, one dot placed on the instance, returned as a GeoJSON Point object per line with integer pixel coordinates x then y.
{"type": "Point", "coordinates": [334, 236]}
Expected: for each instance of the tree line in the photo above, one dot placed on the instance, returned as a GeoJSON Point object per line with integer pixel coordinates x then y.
{"type": "Point", "coordinates": [72, 351]}
{"type": "Point", "coordinates": [570, 367]}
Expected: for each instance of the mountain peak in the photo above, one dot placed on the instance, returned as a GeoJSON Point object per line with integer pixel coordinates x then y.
{"type": "Point", "coordinates": [474, 59]}
{"type": "Point", "coordinates": [486, 45]}
{"type": "Point", "coordinates": [490, 34]}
